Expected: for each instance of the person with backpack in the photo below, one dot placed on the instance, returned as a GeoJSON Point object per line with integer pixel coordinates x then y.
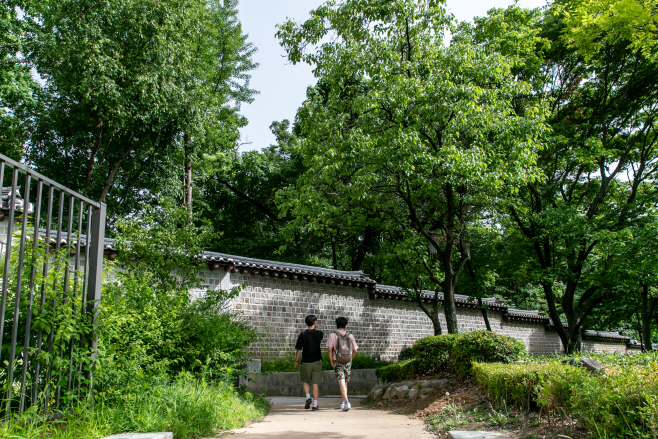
{"type": "Point", "coordinates": [309, 346]}
{"type": "Point", "coordinates": [342, 349]}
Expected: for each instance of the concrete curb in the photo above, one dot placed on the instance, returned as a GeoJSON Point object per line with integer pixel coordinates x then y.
{"type": "Point", "coordinates": [161, 435]}
{"type": "Point", "coordinates": [478, 435]}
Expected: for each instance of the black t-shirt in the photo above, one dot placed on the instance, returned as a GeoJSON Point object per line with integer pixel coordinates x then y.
{"type": "Point", "coordinates": [309, 343]}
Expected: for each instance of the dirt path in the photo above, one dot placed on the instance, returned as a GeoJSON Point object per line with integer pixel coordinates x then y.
{"type": "Point", "coordinates": [288, 419]}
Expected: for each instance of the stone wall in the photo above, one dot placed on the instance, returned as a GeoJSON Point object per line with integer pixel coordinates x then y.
{"type": "Point", "coordinates": [277, 307]}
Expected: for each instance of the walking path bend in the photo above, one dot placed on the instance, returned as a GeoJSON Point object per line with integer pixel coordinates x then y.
{"type": "Point", "coordinates": [288, 419]}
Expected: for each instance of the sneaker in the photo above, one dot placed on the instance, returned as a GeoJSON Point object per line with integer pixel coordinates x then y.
{"type": "Point", "coordinates": [340, 406]}
{"type": "Point", "coordinates": [315, 408]}
{"type": "Point", "coordinates": [308, 403]}
{"type": "Point", "coordinates": [346, 406]}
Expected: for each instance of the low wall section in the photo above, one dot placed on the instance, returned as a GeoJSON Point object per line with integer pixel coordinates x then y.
{"type": "Point", "coordinates": [288, 383]}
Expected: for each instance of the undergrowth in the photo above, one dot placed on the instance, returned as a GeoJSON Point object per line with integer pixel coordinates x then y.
{"type": "Point", "coordinates": [287, 363]}
{"type": "Point", "coordinates": [621, 400]}
{"type": "Point", "coordinates": [189, 407]}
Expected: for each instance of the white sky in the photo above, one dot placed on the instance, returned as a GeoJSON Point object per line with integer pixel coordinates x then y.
{"type": "Point", "coordinates": [282, 86]}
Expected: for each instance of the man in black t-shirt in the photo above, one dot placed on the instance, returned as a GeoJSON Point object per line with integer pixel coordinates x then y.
{"type": "Point", "coordinates": [308, 345]}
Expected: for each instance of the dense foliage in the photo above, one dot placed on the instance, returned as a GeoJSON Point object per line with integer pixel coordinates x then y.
{"type": "Point", "coordinates": [287, 363]}
{"type": "Point", "coordinates": [619, 402]}
{"type": "Point", "coordinates": [455, 353]}
{"type": "Point", "coordinates": [151, 325]}
{"type": "Point", "coordinates": [407, 134]}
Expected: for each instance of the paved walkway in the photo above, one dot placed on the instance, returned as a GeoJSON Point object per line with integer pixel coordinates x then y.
{"type": "Point", "coordinates": [288, 419]}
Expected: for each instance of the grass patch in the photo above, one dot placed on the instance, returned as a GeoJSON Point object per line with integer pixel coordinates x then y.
{"type": "Point", "coordinates": [188, 407]}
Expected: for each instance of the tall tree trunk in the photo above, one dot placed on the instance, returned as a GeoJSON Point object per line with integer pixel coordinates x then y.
{"type": "Point", "coordinates": [187, 166]}
{"type": "Point", "coordinates": [363, 249]}
{"type": "Point", "coordinates": [484, 314]}
{"type": "Point", "coordinates": [648, 307]}
{"type": "Point", "coordinates": [480, 304]}
{"type": "Point", "coordinates": [449, 307]}
{"type": "Point", "coordinates": [570, 335]}
{"type": "Point", "coordinates": [333, 252]}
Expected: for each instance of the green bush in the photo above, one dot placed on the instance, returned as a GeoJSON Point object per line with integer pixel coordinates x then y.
{"type": "Point", "coordinates": [287, 363]}
{"type": "Point", "coordinates": [150, 323]}
{"type": "Point", "coordinates": [406, 354]}
{"type": "Point", "coordinates": [398, 371]}
{"type": "Point", "coordinates": [622, 401]}
{"type": "Point", "coordinates": [433, 353]}
{"type": "Point", "coordinates": [527, 385]}
{"type": "Point", "coordinates": [484, 347]}
{"type": "Point", "coordinates": [441, 352]}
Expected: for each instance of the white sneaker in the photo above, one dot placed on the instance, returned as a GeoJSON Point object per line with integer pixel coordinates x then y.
{"type": "Point", "coordinates": [346, 406]}
{"type": "Point", "coordinates": [340, 406]}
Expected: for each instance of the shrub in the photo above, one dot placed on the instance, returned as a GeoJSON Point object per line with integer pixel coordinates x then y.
{"type": "Point", "coordinates": [150, 322]}
{"type": "Point", "coordinates": [441, 352]}
{"type": "Point", "coordinates": [398, 371]}
{"type": "Point", "coordinates": [433, 353]}
{"type": "Point", "coordinates": [528, 385]}
{"type": "Point", "coordinates": [484, 347]}
{"type": "Point", "coordinates": [406, 354]}
{"type": "Point", "coordinates": [287, 363]}
{"type": "Point", "coordinates": [622, 401]}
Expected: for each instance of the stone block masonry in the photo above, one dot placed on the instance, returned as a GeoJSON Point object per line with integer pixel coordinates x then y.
{"type": "Point", "coordinates": [276, 307]}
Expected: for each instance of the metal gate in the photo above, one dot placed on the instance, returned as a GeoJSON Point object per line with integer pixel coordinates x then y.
{"type": "Point", "coordinates": [52, 265]}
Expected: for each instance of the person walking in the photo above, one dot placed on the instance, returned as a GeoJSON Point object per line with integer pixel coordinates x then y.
{"type": "Point", "coordinates": [309, 346]}
{"type": "Point", "coordinates": [342, 349]}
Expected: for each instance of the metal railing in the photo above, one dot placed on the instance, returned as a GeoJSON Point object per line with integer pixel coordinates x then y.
{"type": "Point", "coordinates": [52, 264]}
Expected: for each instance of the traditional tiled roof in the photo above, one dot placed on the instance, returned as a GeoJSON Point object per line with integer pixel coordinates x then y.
{"type": "Point", "coordinates": [596, 335]}
{"type": "Point", "coordinates": [396, 293]}
{"type": "Point", "coordinates": [525, 316]}
{"type": "Point", "coordinates": [108, 243]}
{"type": "Point", "coordinates": [264, 267]}
{"type": "Point", "coordinates": [605, 335]}
{"type": "Point", "coordinates": [5, 202]}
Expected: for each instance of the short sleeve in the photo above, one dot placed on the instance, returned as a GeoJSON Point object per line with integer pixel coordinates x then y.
{"type": "Point", "coordinates": [300, 342]}
{"type": "Point", "coordinates": [354, 345]}
{"type": "Point", "coordinates": [331, 340]}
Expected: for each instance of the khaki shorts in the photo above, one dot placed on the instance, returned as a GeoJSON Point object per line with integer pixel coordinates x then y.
{"type": "Point", "coordinates": [311, 373]}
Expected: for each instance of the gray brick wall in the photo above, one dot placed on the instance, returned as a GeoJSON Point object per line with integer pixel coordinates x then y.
{"type": "Point", "coordinates": [277, 307]}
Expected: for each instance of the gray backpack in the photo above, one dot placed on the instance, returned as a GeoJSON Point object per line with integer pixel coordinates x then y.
{"type": "Point", "coordinates": [343, 348]}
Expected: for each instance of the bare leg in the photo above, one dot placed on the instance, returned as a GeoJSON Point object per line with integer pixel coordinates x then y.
{"type": "Point", "coordinates": [316, 391]}
{"type": "Point", "coordinates": [307, 388]}
{"type": "Point", "coordinates": [342, 384]}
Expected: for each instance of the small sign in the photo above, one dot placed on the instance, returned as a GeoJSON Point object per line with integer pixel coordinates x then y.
{"type": "Point", "coordinates": [376, 358]}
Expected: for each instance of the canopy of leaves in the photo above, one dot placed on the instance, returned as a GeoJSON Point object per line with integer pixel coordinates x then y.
{"type": "Point", "coordinates": [405, 134]}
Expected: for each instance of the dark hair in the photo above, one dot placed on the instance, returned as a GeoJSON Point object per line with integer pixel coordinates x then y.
{"type": "Point", "coordinates": [341, 322]}
{"type": "Point", "coordinates": [310, 320]}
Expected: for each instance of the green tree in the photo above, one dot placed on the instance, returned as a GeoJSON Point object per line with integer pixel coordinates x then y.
{"type": "Point", "coordinates": [407, 134]}
{"type": "Point", "coordinates": [217, 83]}
{"type": "Point", "coordinates": [133, 89]}
{"type": "Point", "coordinates": [591, 25]}
{"type": "Point", "coordinates": [16, 84]}
{"type": "Point", "coordinates": [598, 165]}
